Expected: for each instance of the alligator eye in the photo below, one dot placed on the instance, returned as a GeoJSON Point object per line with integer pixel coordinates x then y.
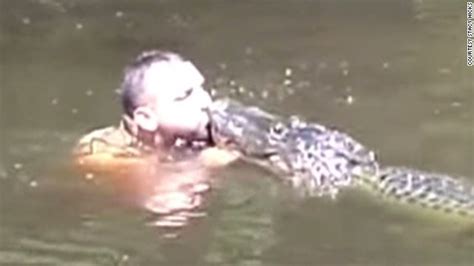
{"type": "Point", "coordinates": [277, 128]}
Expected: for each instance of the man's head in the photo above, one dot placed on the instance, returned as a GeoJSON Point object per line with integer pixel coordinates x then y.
{"type": "Point", "coordinates": [162, 92]}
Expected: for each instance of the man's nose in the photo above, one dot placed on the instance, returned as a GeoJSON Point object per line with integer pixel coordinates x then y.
{"type": "Point", "coordinates": [203, 98]}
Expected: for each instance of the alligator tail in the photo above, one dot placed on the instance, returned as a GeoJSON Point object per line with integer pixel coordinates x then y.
{"type": "Point", "coordinates": [427, 189]}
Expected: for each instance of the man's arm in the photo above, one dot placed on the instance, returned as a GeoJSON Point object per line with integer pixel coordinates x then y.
{"type": "Point", "coordinates": [215, 157]}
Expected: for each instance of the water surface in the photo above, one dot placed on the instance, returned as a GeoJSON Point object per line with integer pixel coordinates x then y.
{"type": "Point", "coordinates": [390, 73]}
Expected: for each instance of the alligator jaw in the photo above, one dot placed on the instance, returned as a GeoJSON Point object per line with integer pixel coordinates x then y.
{"type": "Point", "coordinates": [235, 126]}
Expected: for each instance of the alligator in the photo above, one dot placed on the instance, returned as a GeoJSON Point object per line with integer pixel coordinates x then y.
{"type": "Point", "coordinates": [322, 161]}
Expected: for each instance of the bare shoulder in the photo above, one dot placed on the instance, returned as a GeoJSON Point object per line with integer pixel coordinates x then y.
{"type": "Point", "coordinates": [97, 140]}
{"type": "Point", "coordinates": [106, 149]}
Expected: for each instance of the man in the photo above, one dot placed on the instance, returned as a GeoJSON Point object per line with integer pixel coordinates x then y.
{"type": "Point", "coordinates": [164, 105]}
{"type": "Point", "coordinates": [164, 114]}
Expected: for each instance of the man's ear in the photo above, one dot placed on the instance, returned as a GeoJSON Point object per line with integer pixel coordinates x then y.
{"type": "Point", "coordinates": [145, 118]}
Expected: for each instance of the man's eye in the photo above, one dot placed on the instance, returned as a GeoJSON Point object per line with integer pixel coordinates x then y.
{"type": "Point", "coordinates": [186, 95]}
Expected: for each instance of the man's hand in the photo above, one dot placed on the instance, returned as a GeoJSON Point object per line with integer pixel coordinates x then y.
{"type": "Point", "coordinates": [216, 157]}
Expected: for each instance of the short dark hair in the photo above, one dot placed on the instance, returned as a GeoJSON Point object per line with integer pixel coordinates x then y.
{"type": "Point", "coordinates": [132, 88]}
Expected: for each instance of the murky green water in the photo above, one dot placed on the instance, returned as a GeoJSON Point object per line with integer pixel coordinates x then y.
{"type": "Point", "coordinates": [390, 73]}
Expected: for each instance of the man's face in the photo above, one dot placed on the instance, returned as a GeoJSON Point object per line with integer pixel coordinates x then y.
{"type": "Point", "coordinates": [180, 99]}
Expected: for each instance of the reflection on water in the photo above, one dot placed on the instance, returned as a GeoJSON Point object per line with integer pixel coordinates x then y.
{"type": "Point", "coordinates": [174, 193]}
{"type": "Point", "coordinates": [395, 80]}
